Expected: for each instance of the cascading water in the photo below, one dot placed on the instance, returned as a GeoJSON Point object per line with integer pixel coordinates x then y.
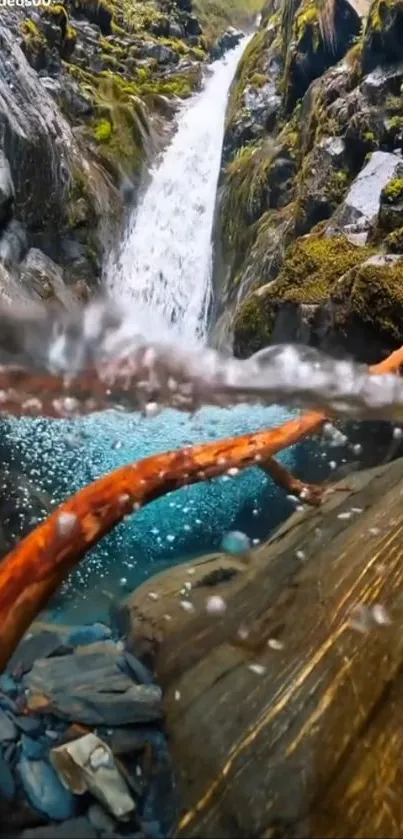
{"type": "Point", "coordinates": [162, 270]}
{"type": "Point", "coordinates": [165, 258]}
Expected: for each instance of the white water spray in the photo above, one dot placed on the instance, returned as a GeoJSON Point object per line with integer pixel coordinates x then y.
{"type": "Point", "coordinates": [165, 259]}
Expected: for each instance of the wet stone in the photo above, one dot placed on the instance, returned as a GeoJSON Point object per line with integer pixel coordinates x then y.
{"type": "Point", "coordinates": [84, 635]}
{"type": "Point", "coordinates": [92, 689]}
{"type": "Point", "coordinates": [134, 667]}
{"type": "Point", "coordinates": [44, 790]}
{"type": "Point", "coordinates": [29, 725]}
{"type": "Point", "coordinates": [100, 819]}
{"type": "Point", "coordinates": [40, 645]}
{"type": "Point", "coordinates": [72, 829]}
{"type": "Point", "coordinates": [33, 749]}
{"type": "Point", "coordinates": [7, 783]}
{"type": "Point", "coordinates": [8, 685]}
{"type": "Point", "coordinates": [8, 730]}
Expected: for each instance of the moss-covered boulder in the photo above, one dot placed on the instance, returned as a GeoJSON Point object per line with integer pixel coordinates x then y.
{"type": "Point", "coordinates": [372, 295]}
{"type": "Point", "coordinates": [311, 268]}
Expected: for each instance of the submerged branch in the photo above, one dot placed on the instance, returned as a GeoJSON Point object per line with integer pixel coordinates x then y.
{"type": "Point", "coordinates": [34, 569]}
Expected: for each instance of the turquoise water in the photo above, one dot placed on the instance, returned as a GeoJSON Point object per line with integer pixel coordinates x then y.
{"type": "Point", "coordinates": [61, 456]}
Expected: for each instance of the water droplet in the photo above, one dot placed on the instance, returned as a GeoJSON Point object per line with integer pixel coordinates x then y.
{"type": "Point", "coordinates": [236, 543]}
{"type": "Point", "coordinates": [259, 669]}
{"type": "Point", "coordinates": [65, 523]}
{"type": "Point", "coordinates": [215, 605]}
{"type": "Point", "coordinates": [380, 615]}
{"type": "Point", "coordinates": [275, 644]}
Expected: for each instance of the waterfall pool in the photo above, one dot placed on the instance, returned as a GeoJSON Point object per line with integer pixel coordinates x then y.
{"type": "Point", "coordinates": [62, 456]}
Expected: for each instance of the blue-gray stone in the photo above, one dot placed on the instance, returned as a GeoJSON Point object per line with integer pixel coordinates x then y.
{"type": "Point", "coordinates": [33, 749]}
{"type": "Point", "coordinates": [8, 704]}
{"type": "Point", "coordinates": [134, 667]}
{"type": "Point", "coordinates": [44, 790]}
{"type": "Point", "coordinates": [8, 684]}
{"type": "Point", "coordinates": [7, 783]}
{"type": "Point", "coordinates": [29, 725]}
{"type": "Point", "coordinates": [77, 828]}
{"type": "Point", "coordinates": [88, 635]}
{"type": "Point", "coordinates": [152, 830]}
{"type": "Point", "coordinates": [8, 730]}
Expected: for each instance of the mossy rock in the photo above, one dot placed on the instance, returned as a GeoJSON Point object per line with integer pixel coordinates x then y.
{"type": "Point", "coordinates": [308, 53]}
{"type": "Point", "coordinates": [382, 41]}
{"type": "Point", "coordinates": [373, 294]}
{"type": "Point", "coordinates": [311, 268]}
{"type": "Point", "coordinates": [253, 326]}
{"type": "Point", "coordinates": [390, 216]}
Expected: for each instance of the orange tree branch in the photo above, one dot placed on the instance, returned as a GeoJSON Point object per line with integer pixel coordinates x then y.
{"type": "Point", "coordinates": [35, 568]}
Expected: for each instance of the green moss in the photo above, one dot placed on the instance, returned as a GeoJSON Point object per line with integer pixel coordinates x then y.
{"type": "Point", "coordinates": [393, 191]}
{"type": "Point", "coordinates": [374, 293]}
{"type": "Point", "coordinates": [103, 131]}
{"type": "Point", "coordinates": [258, 80]}
{"type": "Point", "coordinates": [252, 62]}
{"type": "Point", "coordinates": [394, 241]}
{"type": "Point", "coordinates": [312, 266]}
{"type": "Point", "coordinates": [245, 196]}
{"type": "Point", "coordinates": [253, 326]}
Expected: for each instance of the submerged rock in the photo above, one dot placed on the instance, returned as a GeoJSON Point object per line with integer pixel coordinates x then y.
{"type": "Point", "coordinates": [8, 730]}
{"type": "Point", "coordinates": [44, 790]}
{"type": "Point", "coordinates": [91, 688]}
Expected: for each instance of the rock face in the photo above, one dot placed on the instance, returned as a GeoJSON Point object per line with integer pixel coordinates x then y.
{"type": "Point", "coordinates": [325, 160]}
{"type": "Point", "coordinates": [84, 93]}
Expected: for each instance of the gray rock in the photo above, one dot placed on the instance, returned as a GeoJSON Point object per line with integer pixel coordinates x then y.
{"type": "Point", "coordinates": [100, 819]}
{"type": "Point", "coordinates": [137, 669]}
{"type": "Point", "coordinates": [13, 243]}
{"type": "Point", "coordinates": [7, 783]}
{"type": "Point", "coordinates": [6, 188]}
{"type": "Point", "coordinates": [227, 41]}
{"type": "Point", "coordinates": [176, 30]}
{"type": "Point", "coordinates": [193, 26]}
{"type": "Point", "coordinates": [380, 82]}
{"type": "Point", "coordinates": [39, 645]}
{"type": "Point", "coordinates": [91, 688]}
{"type": "Point", "coordinates": [44, 790]}
{"type": "Point", "coordinates": [88, 634]}
{"type": "Point", "coordinates": [43, 279]}
{"type": "Point", "coordinates": [77, 828]}
{"type": "Point", "coordinates": [33, 749]}
{"type": "Point", "coordinates": [8, 730]}
{"type": "Point", "coordinates": [362, 202]}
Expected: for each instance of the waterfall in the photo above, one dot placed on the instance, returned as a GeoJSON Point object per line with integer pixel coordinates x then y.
{"type": "Point", "coordinates": [162, 270]}
{"type": "Point", "coordinates": [164, 261]}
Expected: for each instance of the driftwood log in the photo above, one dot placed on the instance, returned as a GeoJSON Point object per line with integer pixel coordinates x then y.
{"type": "Point", "coordinates": [310, 744]}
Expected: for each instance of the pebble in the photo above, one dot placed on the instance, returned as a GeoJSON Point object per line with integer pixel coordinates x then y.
{"type": "Point", "coordinates": [187, 605]}
{"type": "Point", "coordinates": [8, 730]}
{"type": "Point", "coordinates": [8, 685]}
{"type": "Point", "coordinates": [29, 725]}
{"type": "Point", "coordinates": [44, 790]}
{"type": "Point", "coordinates": [32, 749]}
{"type": "Point", "coordinates": [137, 669]}
{"type": "Point", "coordinates": [7, 783]}
{"type": "Point", "coordinates": [84, 635]}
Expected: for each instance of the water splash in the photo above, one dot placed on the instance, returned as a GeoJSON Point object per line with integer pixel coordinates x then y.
{"type": "Point", "coordinates": [165, 258]}
{"type": "Point", "coordinates": [64, 365]}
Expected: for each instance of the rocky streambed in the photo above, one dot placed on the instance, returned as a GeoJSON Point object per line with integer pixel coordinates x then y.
{"type": "Point", "coordinates": [82, 745]}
